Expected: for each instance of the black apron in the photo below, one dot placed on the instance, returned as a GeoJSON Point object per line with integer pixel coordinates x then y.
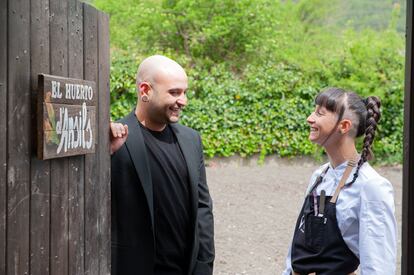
{"type": "Point", "coordinates": [317, 244]}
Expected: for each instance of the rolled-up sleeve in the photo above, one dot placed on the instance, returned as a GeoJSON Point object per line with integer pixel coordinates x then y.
{"type": "Point", "coordinates": [377, 228]}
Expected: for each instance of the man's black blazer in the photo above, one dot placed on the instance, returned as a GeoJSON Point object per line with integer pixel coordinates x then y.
{"type": "Point", "coordinates": [132, 204]}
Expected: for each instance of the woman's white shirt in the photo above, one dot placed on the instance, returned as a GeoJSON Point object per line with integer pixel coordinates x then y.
{"type": "Point", "coordinates": [366, 217]}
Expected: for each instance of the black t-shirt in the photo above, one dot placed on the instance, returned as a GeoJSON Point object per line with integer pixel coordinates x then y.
{"type": "Point", "coordinates": [172, 214]}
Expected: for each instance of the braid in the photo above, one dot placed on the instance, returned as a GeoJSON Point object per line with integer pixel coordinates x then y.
{"type": "Point", "coordinates": [373, 105]}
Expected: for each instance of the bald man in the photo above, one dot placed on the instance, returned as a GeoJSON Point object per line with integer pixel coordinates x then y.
{"type": "Point", "coordinates": [162, 220]}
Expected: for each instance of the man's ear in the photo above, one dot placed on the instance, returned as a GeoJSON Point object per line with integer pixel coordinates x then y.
{"type": "Point", "coordinates": [143, 88]}
{"type": "Point", "coordinates": [345, 126]}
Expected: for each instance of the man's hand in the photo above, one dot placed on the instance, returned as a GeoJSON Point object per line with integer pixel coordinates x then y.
{"type": "Point", "coordinates": [118, 135]}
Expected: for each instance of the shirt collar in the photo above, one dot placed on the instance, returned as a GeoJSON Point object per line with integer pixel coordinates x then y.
{"type": "Point", "coordinates": [338, 171]}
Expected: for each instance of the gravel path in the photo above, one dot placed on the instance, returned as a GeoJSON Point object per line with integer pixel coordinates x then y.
{"type": "Point", "coordinates": [256, 207]}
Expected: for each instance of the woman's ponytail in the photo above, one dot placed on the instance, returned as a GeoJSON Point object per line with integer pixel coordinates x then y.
{"type": "Point", "coordinates": [373, 104]}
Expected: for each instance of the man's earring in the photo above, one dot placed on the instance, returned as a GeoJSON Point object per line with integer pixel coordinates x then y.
{"type": "Point", "coordinates": [144, 98]}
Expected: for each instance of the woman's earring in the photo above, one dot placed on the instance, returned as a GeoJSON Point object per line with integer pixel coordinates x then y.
{"type": "Point", "coordinates": [144, 98]}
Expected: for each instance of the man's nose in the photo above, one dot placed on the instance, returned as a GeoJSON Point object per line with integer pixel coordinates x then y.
{"type": "Point", "coordinates": [182, 100]}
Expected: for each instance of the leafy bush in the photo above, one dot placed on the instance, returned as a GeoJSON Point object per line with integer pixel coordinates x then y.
{"type": "Point", "coordinates": [255, 68]}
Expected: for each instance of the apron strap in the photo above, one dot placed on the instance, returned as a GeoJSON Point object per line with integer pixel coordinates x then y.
{"type": "Point", "coordinates": [351, 164]}
{"type": "Point", "coordinates": [318, 180]}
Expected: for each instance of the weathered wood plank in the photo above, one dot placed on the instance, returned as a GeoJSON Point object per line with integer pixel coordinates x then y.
{"type": "Point", "coordinates": [40, 170]}
{"type": "Point", "coordinates": [18, 138]}
{"type": "Point", "coordinates": [59, 167]}
{"type": "Point", "coordinates": [3, 133]}
{"type": "Point", "coordinates": [103, 145]}
{"type": "Point", "coordinates": [92, 231]}
{"type": "Point", "coordinates": [76, 164]}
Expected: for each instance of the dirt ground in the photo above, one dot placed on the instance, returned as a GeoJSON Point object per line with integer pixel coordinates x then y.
{"type": "Point", "coordinates": [256, 207]}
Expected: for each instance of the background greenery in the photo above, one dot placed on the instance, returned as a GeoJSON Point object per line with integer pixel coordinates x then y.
{"type": "Point", "coordinates": [256, 66]}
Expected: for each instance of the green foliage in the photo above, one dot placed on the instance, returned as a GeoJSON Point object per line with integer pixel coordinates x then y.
{"type": "Point", "coordinates": [256, 66]}
{"type": "Point", "coordinates": [123, 91]}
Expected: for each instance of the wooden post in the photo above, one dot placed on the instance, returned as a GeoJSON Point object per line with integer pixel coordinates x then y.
{"type": "Point", "coordinates": [59, 178]}
{"type": "Point", "coordinates": [18, 137]}
{"type": "Point", "coordinates": [407, 262]}
{"type": "Point", "coordinates": [104, 156]}
{"type": "Point", "coordinates": [3, 134]}
{"type": "Point", "coordinates": [76, 164]}
{"type": "Point", "coordinates": [40, 170]}
{"type": "Point", "coordinates": [92, 170]}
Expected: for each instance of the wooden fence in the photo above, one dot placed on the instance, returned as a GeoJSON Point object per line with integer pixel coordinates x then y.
{"type": "Point", "coordinates": [407, 261]}
{"type": "Point", "coordinates": [54, 214]}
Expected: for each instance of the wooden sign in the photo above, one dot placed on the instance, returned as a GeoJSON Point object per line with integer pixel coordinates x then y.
{"type": "Point", "coordinates": [65, 117]}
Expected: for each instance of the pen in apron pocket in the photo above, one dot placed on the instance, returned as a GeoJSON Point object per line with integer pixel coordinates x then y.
{"type": "Point", "coordinates": [322, 203]}
{"type": "Point", "coordinates": [315, 203]}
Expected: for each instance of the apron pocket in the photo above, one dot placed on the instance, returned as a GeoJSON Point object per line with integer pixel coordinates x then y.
{"type": "Point", "coordinates": [314, 232]}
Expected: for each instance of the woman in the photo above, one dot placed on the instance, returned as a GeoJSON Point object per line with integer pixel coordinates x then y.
{"type": "Point", "coordinates": [347, 220]}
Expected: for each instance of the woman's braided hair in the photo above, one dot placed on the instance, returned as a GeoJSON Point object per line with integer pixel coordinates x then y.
{"type": "Point", "coordinates": [367, 112]}
{"type": "Point", "coordinates": [372, 104]}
